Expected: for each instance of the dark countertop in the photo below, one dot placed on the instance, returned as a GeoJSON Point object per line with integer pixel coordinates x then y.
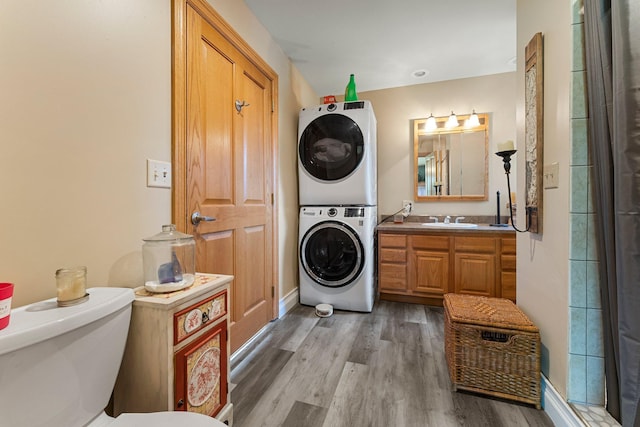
{"type": "Point", "coordinates": [414, 226]}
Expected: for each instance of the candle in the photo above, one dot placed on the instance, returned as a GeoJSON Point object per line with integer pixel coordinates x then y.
{"type": "Point", "coordinates": [506, 146]}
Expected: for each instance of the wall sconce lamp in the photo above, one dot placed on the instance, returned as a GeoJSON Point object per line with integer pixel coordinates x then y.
{"type": "Point", "coordinates": [452, 122]}
{"type": "Point", "coordinates": [431, 124]}
{"type": "Point", "coordinates": [506, 151]}
{"type": "Point", "coordinates": [472, 121]}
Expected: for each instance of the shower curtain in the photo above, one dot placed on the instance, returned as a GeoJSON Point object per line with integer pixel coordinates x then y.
{"type": "Point", "coordinates": [612, 47]}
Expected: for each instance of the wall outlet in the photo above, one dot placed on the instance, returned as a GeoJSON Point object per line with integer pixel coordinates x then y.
{"type": "Point", "coordinates": [407, 206]}
{"type": "Point", "coordinates": [158, 174]}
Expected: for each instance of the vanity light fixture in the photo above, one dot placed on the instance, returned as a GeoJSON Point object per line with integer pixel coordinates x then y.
{"type": "Point", "coordinates": [431, 124]}
{"type": "Point", "coordinates": [452, 122]}
{"type": "Point", "coordinates": [472, 121]}
{"type": "Point", "coordinates": [507, 150]}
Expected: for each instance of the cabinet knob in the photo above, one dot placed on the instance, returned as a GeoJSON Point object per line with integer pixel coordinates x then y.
{"type": "Point", "coordinates": [205, 317]}
{"type": "Point", "coordinates": [180, 403]}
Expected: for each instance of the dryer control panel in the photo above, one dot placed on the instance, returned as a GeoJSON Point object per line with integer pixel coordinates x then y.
{"type": "Point", "coordinates": [353, 212]}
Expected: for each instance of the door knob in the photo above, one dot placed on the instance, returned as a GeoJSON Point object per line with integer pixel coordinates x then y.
{"type": "Point", "coordinates": [196, 218]}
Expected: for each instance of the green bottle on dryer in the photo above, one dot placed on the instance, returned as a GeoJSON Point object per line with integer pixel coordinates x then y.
{"type": "Point", "coordinates": [350, 91]}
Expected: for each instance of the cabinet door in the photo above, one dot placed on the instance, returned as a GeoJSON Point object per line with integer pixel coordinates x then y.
{"type": "Point", "coordinates": [431, 272]}
{"type": "Point", "coordinates": [475, 274]}
{"type": "Point", "coordinates": [201, 373]}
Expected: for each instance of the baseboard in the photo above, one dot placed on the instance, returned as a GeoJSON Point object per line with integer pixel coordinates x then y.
{"type": "Point", "coordinates": [557, 408]}
{"type": "Point", "coordinates": [288, 302]}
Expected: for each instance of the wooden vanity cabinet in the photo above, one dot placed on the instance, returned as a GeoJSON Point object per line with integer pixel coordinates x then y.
{"type": "Point", "coordinates": [422, 266]}
{"type": "Point", "coordinates": [177, 352]}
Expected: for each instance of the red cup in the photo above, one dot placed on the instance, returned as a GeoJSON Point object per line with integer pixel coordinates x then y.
{"type": "Point", "coordinates": [6, 292]}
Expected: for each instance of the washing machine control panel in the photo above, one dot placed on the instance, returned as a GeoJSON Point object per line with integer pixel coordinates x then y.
{"type": "Point", "coordinates": [332, 212]}
{"type": "Point", "coordinates": [353, 212]}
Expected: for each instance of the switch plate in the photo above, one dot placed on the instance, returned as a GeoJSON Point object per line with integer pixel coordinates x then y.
{"type": "Point", "coordinates": [550, 175]}
{"type": "Point", "coordinates": [158, 174]}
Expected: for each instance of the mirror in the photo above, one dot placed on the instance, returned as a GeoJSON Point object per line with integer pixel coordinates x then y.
{"type": "Point", "coordinates": [450, 163]}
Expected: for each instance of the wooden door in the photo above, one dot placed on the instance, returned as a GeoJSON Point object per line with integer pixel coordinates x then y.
{"type": "Point", "coordinates": [229, 169]}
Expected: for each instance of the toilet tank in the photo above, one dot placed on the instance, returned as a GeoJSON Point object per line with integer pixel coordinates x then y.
{"type": "Point", "coordinates": [58, 365]}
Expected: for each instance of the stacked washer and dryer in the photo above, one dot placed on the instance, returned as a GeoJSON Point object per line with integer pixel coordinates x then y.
{"type": "Point", "coordinates": [337, 186]}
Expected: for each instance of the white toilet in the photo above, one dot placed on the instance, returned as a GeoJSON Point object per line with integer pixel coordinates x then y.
{"type": "Point", "coordinates": [58, 365]}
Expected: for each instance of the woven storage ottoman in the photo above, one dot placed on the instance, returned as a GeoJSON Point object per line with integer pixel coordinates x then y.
{"type": "Point", "coordinates": [492, 348]}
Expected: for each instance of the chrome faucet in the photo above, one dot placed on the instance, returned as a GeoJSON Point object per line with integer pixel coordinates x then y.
{"type": "Point", "coordinates": [447, 219]}
{"type": "Point", "coordinates": [434, 218]}
{"type": "Point", "coordinates": [459, 219]}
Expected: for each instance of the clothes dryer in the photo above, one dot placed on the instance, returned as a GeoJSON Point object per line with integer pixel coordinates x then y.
{"type": "Point", "coordinates": [337, 155]}
{"type": "Point", "coordinates": [337, 256]}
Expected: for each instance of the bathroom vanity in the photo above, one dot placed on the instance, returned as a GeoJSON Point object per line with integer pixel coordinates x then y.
{"type": "Point", "coordinates": [177, 352]}
{"type": "Point", "coordinates": [419, 264]}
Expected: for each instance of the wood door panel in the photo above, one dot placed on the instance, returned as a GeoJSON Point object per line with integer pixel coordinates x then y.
{"type": "Point", "coordinates": [254, 149]}
{"type": "Point", "coordinates": [209, 121]}
{"type": "Point", "coordinates": [216, 250]}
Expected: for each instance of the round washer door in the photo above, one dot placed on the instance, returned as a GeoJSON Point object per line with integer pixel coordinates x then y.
{"type": "Point", "coordinates": [331, 147]}
{"type": "Point", "coordinates": [332, 254]}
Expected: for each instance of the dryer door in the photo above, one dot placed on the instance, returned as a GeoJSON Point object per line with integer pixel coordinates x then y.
{"type": "Point", "coordinates": [331, 254]}
{"type": "Point", "coordinates": [331, 147]}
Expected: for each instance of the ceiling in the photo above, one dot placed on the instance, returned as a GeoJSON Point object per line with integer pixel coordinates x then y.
{"type": "Point", "coordinates": [384, 42]}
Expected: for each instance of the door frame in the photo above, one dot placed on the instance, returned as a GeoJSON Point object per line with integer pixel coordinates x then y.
{"type": "Point", "coordinates": [179, 206]}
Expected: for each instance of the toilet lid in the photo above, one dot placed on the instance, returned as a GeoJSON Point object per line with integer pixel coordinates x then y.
{"type": "Point", "coordinates": [166, 419]}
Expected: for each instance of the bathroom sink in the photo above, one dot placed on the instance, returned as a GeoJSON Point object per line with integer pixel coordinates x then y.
{"type": "Point", "coordinates": [449, 225]}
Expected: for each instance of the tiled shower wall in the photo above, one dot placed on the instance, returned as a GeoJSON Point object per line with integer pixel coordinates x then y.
{"type": "Point", "coordinates": [586, 361]}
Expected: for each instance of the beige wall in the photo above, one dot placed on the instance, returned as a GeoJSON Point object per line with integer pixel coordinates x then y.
{"type": "Point", "coordinates": [543, 260]}
{"type": "Point", "coordinates": [86, 99]}
{"type": "Point", "coordinates": [395, 108]}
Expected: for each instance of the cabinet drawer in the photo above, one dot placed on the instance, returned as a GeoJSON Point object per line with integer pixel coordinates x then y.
{"type": "Point", "coordinates": [509, 246]}
{"type": "Point", "coordinates": [475, 244]}
{"type": "Point", "coordinates": [393, 277]}
{"type": "Point", "coordinates": [197, 316]}
{"type": "Point", "coordinates": [430, 242]}
{"type": "Point", "coordinates": [508, 262]}
{"type": "Point", "coordinates": [393, 255]}
{"type": "Point", "coordinates": [392, 241]}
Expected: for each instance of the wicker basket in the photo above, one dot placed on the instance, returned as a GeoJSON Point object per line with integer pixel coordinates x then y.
{"type": "Point", "coordinates": [492, 348]}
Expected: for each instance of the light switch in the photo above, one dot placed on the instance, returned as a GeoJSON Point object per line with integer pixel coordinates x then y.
{"type": "Point", "coordinates": [158, 174]}
{"type": "Point", "coordinates": [550, 175]}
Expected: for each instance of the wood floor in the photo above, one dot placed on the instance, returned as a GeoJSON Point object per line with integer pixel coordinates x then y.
{"type": "Point", "coordinates": [385, 368]}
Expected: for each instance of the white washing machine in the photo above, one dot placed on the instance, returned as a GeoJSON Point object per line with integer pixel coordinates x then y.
{"type": "Point", "coordinates": [337, 155]}
{"type": "Point", "coordinates": [337, 256]}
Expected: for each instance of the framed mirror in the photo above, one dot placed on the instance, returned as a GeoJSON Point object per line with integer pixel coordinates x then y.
{"type": "Point", "coordinates": [451, 162]}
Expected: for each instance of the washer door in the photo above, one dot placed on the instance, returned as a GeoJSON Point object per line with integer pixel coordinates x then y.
{"type": "Point", "coordinates": [331, 147]}
{"type": "Point", "coordinates": [332, 254]}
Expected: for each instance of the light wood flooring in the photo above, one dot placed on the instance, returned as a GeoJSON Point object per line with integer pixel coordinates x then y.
{"type": "Point", "coordinates": [385, 368]}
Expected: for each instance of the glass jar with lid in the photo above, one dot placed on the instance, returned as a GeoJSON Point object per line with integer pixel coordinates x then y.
{"type": "Point", "coordinates": [169, 260]}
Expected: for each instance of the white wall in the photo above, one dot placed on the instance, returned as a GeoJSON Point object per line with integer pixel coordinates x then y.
{"type": "Point", "coordinates": [543, 260]}
{"type": "Point", "coordinates": [395, 108]}
{"type": "Point", "coordinates": [86, 99]}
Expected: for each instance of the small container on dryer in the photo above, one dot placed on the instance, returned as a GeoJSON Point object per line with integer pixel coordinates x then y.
{"type": "Point", "coordinates": [169, 260]}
